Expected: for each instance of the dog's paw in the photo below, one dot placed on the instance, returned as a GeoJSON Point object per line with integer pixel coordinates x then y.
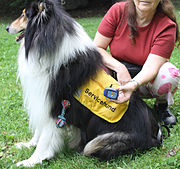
{"type": "Point", "coordinates": [21, 145]}
{"type": "Point", "coordinates": [29, 163]}
{"type": "Point", "coordinates": [36, 158]}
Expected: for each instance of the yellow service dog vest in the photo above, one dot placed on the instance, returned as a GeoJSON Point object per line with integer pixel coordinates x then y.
{"type": "Point", "coordinates": [91, 96]}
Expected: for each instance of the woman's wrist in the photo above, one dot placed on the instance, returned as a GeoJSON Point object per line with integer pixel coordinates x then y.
{"type": "Point", "coordinates": [135, 82]}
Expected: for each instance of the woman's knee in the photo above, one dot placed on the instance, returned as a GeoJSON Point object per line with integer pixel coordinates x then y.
{"type": "Point", "coordinates": [167, 79]}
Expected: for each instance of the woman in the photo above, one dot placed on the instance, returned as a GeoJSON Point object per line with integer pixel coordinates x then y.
{"type": "Point", "coordinates": [141, 36]}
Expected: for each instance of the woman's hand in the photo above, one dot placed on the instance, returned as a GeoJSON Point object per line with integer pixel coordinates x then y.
{"type": "Point", "coordinates": [125, 91]}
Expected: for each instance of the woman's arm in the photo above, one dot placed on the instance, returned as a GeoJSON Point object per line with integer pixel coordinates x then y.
{"type": "Point", "coordinates": [149, 71]}
{"type": "Point", "coordinates": [102, 43]}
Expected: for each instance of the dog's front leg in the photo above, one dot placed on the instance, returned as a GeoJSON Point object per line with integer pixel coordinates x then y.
{"type": "Point", "coordinates": [50, 142]}
{"type": "Point", "coordinates": [32, 143]}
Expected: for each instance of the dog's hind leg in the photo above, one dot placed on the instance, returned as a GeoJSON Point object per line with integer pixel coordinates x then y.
{"type": "Point", "coordinates": [109, 145]}
{"type": "Point", "coordinates": [50, 142]}
{"type": "Point", "coordinates": [32, 143]}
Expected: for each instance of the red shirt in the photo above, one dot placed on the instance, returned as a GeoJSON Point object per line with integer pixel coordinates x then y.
{"type": "Point", "coordinates": [158, 37]}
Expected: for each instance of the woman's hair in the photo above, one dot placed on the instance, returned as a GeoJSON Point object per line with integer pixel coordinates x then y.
{"type": "Point", "coordinates": [165, 6]}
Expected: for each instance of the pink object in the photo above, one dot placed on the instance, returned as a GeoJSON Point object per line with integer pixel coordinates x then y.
{"type": "Point", "coordinates": [173, 72]}
{"type": "Point", "coordinates": [165, 88]}
{"type": "Point", "coordinates": [163, 76]}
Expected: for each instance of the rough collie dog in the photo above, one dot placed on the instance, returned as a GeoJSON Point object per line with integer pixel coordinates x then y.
{"type": "Point", "coordinates": [56, 56]}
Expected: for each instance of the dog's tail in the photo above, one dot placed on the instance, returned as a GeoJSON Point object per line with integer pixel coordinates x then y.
{"type": "Point", "coordinates": [110, 145]}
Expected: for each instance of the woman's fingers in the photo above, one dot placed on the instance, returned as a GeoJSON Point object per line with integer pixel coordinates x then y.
{"type": "Point", "coordinates": [121, 98]}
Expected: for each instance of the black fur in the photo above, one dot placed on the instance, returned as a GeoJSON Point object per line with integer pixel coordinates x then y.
{"type": "Point", "coordinates": [71, 76]}
{"type": "Point", "coordinates": [139, 128]}
{"type": "Point", "coordinates": [46, 31]}
{"type": "Point", "coordinates": [136, 130]}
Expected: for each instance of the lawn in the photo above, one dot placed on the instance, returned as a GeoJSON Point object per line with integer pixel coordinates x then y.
{"type": "Point", "coordinates": [14, 120]}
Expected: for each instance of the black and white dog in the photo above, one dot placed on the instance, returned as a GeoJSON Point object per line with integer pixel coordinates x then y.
{"type": "Point", "coordinates": [56, 56]}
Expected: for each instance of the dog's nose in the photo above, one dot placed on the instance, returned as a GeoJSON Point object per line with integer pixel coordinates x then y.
{"type": "Point", "coordinates": [7, 28]}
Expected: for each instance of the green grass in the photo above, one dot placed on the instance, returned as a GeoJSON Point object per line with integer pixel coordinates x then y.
{"type": "Point", "coordinates": [14, 121]}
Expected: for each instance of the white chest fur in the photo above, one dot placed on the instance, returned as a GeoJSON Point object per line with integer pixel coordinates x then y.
{"type": "Point", "coordinates": [34, 77]}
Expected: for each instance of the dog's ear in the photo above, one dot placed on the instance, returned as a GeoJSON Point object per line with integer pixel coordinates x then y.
{"type": "Point", "coordinates": [41, 7]}
{"type": "Point", "coordinates": [24, 11]}
{"type": "Point", "coordinates": [45, 5]}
